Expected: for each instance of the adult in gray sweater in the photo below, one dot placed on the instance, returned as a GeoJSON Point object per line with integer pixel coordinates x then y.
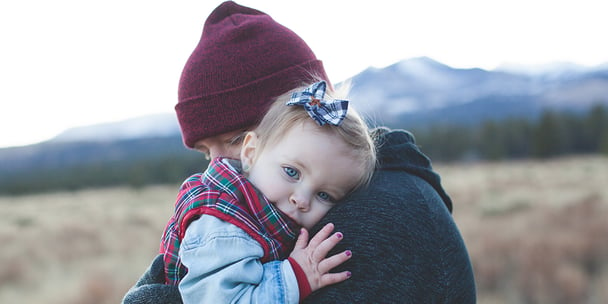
{"type": "Point", "coordinates": [406, 247]}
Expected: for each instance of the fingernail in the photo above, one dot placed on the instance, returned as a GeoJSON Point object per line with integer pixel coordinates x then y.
{"type": "Point", "coordinates": [339, 235]}
{"type": "Point", "coordinates": [348, 274]}
{"type": "Point", "coordinates": [348, 253]}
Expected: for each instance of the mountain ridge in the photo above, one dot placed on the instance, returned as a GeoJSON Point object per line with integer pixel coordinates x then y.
{"type": "Point", "coordinates": [419, 89]}
{"type": "Point", "coordinates": [420, 92]}
{"type": "Point", "coordinates": [413, 94]}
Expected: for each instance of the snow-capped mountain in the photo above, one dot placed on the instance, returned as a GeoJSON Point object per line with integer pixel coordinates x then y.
{"type": "Point", "coordinates": [421, 91]}
{"type": "Point", "coordinates": [410, 94]}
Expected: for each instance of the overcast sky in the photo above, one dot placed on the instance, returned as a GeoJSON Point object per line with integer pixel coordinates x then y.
{"type": "Point", "coordinates": [75, 63]}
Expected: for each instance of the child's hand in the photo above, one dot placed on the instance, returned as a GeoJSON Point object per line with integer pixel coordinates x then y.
{"type": "Point", "coordinates": [311, 256]}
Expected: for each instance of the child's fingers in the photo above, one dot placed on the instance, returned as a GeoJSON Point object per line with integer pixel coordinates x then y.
{"type": "Point", "coordinates": [333, 278]}
{"type": "Point", "coordinates": [321, 235]}
{"type": "Point", "coordinates": [302, 240]}
{"type": "Point", "coordinates": [333, 261]}
{"type": "Point", "coordinates": [321, 251]}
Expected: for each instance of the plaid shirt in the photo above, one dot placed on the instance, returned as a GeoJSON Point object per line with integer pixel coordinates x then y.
{"type": "Point", "coordinates": [224, 193]}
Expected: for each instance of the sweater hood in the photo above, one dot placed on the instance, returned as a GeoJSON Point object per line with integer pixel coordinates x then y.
{"type": "Point", "coordinates": [397, 150]}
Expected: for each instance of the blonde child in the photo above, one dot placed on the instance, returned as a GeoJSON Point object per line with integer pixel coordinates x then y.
{"type": "Point", "coordinates": [231, 237]}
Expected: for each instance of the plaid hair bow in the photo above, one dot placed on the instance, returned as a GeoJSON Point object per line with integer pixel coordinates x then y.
{"type": "Point", "coordinates": [321, 110]}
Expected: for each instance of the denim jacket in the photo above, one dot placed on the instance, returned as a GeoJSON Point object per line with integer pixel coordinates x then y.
{"type": "Point", "coordinates": [224, 267]}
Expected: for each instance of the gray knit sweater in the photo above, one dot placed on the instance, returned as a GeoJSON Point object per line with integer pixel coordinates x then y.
{"type": "Point", "coordinates": [406, 246]}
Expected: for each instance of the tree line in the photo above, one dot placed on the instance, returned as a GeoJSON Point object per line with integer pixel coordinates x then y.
{"type": "Point", "coordinates": [133, 173]}
{"type": "Point", "coordinates": [553, 134]}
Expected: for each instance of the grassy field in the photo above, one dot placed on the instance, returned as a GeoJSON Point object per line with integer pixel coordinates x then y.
{"type": "Point", "coordinates": [537, 232]}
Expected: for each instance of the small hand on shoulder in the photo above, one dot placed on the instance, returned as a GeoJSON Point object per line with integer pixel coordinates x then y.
{"type": "Point", "coordinates": [312, 257]}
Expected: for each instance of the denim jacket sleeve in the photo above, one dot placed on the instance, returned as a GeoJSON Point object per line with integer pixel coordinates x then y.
{"type": "Point", "coordinates": [224, 267]}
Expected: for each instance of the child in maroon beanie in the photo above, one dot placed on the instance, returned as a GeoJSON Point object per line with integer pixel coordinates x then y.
{"type": "Point", "coordinates": [406, 246]}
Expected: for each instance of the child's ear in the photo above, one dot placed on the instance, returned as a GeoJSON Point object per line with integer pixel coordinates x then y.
{"type": "Point", "coordinates": [248, 150]}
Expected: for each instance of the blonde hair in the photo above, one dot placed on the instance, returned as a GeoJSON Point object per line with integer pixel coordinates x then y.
{"type": "Point", "coordinates": [353, 130]}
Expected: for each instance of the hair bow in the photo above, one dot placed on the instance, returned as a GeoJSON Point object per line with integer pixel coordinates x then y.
{"type": "Point", "coordinates": [322, 110]}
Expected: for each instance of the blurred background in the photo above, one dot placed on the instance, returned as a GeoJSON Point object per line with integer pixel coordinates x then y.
{"type": "Point", "coordinates": [508, 98]}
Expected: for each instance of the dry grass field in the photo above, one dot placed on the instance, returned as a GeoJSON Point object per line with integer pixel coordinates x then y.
{"type": "Point", "coordinates": [537, 232]}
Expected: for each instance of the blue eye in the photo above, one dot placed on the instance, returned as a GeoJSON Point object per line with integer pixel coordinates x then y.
{"type": "Point", "coordinates": [324, 196]}
{"type": "Point", "coordinates": [291, 172]}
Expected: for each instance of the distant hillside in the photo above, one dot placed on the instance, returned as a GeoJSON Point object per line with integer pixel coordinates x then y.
{"type": "Point", "coordinates": [57, 155]}
{"type": "Point", "coordinates": [412, 94]}
{"type": "Point", "coordinates": [159, 125]}
{"type": "Point", "coordinates": [53, 166]}
{"type": "Point", "coordinates": [421, 92]}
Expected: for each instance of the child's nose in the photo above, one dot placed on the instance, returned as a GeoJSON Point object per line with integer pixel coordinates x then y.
{"type": "Point", "coordinates": [300, 201]}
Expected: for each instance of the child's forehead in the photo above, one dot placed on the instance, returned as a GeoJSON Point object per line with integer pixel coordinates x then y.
{"type": "Point", "coordinates": [308, 135]}
{"type": "Point", "coordinates": [320, 153]}
{"type": "Point", "coordinates": [292, 131]}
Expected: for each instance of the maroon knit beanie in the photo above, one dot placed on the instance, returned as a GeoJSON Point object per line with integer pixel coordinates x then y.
{"type": "Point", "coordinates": [243, 61]}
